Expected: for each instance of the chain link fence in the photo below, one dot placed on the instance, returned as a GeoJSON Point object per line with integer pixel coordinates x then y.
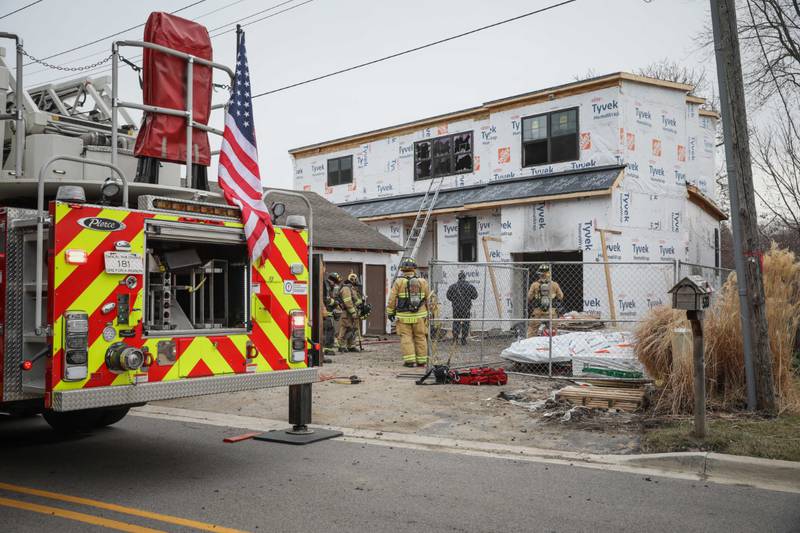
{"type": "Point", "coordinates": [552, 318]}
{"type": "Point", "coordinates": [716, 276]}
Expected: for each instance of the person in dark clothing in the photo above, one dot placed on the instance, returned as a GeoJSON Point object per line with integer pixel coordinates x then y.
{"type": "Point", "coordinates": [330, 311]}
{"type": "Point", "coordinates": [461, 293]}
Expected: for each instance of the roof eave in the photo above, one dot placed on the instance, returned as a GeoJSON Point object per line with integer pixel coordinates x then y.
{"type": "Point", "coordinates": [705, 203]}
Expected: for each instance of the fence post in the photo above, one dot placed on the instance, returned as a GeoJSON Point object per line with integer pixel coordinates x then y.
{"type": "Point", "coordinates": [483, 314]}
{"type": "Point", "coordinates": [550, 325]}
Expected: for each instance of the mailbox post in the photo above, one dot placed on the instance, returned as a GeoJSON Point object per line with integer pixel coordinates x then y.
{"type": "Point", "coordinates": [693, 294]}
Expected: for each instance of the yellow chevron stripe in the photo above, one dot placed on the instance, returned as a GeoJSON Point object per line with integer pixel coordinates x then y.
{"type": "Point", "coordinates": [88, 301]}
{"type": "Point", "coordinates": [86, 240]}
{"type": "Point", "coordinates": [202, 348]}
{"type": "Point", "coordinates": [287, 251]}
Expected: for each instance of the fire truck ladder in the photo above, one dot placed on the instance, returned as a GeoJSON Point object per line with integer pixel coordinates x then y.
{"type": "Point", "coordinates": [420, 226]}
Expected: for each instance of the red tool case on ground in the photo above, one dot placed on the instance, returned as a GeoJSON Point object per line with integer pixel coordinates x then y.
{"type": "Point", "coordinates": [164, 76]}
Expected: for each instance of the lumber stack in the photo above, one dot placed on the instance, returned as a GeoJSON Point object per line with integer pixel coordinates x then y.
{"type": "Point", "coordinates": [626, 399]}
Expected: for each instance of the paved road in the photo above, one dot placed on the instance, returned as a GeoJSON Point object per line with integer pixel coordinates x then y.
{"type": "Point", "coordinates": [185, 471]}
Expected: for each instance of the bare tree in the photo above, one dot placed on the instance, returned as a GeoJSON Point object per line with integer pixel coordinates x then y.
{"type": "Point", "coordinates": [769, 32]}
{"type": "Point", "coordinates": [669, 70]}
{"type": "Point", "coordinates": [770, 36]}
{"type": "Point", "coordinates": [776, 157]}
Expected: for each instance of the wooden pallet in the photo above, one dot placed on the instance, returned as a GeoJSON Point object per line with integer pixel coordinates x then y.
{"type": "Point", "coordinates": [627, 399]}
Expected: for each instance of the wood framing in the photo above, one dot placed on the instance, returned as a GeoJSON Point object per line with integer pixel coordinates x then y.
{"type": "Point", "coordinates": [705, 203]}
{"type": "Point", "coordinates": [709, 113]}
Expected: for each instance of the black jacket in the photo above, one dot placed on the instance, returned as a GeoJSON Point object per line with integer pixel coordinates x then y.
{"type": "Point", "coordinates": [461, 293]}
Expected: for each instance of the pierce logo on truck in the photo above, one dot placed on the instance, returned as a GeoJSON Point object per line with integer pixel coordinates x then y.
{"type": "Point", "coordinates": [101, 224]}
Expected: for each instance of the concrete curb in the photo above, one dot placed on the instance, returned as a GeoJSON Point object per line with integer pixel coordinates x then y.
{"type": "Point", "coordinates": [729, 469]}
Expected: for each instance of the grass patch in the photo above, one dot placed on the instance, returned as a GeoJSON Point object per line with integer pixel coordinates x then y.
{"type": "Point", "coordinates": [775, 438]}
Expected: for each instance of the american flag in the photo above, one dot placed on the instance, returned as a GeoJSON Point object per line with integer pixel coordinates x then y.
{"type": "Point", "coordinates": [239, 177]}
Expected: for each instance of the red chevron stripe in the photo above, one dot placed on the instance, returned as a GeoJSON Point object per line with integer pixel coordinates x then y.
{"type": "Point", "coordinates": [279, 263]}
{"type": "Point", "coordinates": [68, 228]}
{"type": "Point", "coordinates": [283, 270]}
{"type": "Point", "coordinates": [77, 282]}
{"type": "Point", "coordinates": [157, 372]}
{"type": "Point", "coordinates": [299, 245]}
{"type": "Point", "coordinates": [229, 351]}
{"type": "Point", "coordinates": [200, 370]}
{"type": "Point", "coordinates": [267, 349]}
{"type": "Point", "coordinates": [279, 314]}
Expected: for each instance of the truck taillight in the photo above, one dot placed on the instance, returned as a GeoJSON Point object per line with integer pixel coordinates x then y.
{"type": "Point", "coordinates": [297, 337]}
{"type": "Point", "coordinates": [76, 345]}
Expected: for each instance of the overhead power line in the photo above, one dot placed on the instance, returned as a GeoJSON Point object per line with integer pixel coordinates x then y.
{"type": "Point", "coordinates": [250, 16]}
{"type": "Point", "coordinates": [105, 50]}
{"type": "Point", "coordinates": [84, 45]}
{"type": "Point", "coordinates": [20, 9]}
{"type": "Point", "coordinates": [245, 24]}
{"type": "Point", "coordinates": [416, 48]}
{"type": "Point", "coordinates": [103, 69]}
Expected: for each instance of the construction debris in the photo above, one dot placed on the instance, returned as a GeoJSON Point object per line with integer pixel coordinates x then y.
{"type": "Point", "coordinates": [582, 322]}
{"type": "Point", "coordinates": [627, 399]}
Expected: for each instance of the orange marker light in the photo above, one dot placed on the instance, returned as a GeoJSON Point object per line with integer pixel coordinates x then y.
{"type": "Point", "coordinates": [27, 365]}
{"type": "Point", "coordinates": [76, 257]}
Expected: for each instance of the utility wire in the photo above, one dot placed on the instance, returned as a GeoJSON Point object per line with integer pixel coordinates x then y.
{"type": "Point", "coordinates": [103, 69]}
{"type": "Point", "coordinates": [415, 49]}
{"type": "Point", "coordinates": [251, 15]}
{"type": "Point", "coordinates": [20, 9]}
{"type": "Point", "coordinates": [244, 25]}
{"type": "Point", "coordinates": [104, 51]}
{"type": "Point", "coordinates": [107, 36]}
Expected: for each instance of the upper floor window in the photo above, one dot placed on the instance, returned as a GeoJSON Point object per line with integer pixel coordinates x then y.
{"type": "Point", "coordinates": [550, 138]}
{"type": "Point", "coordinates": [443, 156]}
{"type": "Point", "coordinates": [340, 170]}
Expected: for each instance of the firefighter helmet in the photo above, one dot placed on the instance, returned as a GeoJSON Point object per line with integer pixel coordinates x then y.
{"type": "Point", "coordinates": [353, 278]}
{"type": "Point", "coordinates": [335, 277]}
{"type": "Point", "coordinates": [543, 269]}
{"type": "Point", "coordinates": [408, 263]}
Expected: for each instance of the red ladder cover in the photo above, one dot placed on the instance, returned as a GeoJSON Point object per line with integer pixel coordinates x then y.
{"type": "Point", "coordinates": [164, 85]}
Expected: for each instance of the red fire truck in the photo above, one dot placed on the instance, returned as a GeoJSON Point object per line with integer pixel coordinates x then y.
{"type": "Point", "coordinates": [123, 280]}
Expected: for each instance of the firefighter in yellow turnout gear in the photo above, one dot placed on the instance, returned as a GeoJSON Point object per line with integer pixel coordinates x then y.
{"type": "Point", "coordinates": [349, 300]}
{"type": "Point", "coordinates": [408, 301]}
{"type": "Point", "coordinates": [544, 296]}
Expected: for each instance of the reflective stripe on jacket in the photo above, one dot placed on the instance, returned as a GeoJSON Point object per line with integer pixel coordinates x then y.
{"type": "Point", "coordinates": [400, 290]}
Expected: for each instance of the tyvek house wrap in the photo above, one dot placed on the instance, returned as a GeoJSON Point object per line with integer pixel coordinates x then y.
{"type": "Point", "coordinates": [385, 167]}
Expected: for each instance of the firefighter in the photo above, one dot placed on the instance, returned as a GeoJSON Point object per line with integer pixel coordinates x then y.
{"type": "Point", "coordinates": [544, 296]}
{"type": "Point", "coordinates": [408, 303]}
{"type": "Point", "coordinates": [350, 301]}
{"type": "Point", "coordinates": [330, 311]}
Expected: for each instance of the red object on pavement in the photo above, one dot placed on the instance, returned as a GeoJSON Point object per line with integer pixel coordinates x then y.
{"type": "Point", "coordinates": [240, 438]}
{"type": "Point", "coordinates": [164, 85]}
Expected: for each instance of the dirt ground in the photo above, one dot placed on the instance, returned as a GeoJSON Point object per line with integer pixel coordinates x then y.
{"type": "Point", "coordinates": [384, 401]}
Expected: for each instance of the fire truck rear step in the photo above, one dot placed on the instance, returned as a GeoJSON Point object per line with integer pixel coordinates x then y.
{"type": "Point", "coordinates": [91, 398]}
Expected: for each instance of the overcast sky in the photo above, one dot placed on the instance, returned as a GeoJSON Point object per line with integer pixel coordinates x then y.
{"type": "Point", "coordinates": [326, 35]}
